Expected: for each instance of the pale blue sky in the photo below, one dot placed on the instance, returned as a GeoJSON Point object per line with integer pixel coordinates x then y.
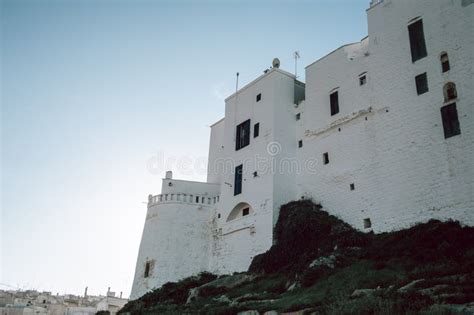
{"type": "Point", "coordinates": [94, 94]}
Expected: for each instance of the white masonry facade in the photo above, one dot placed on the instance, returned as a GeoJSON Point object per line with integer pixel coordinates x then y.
{"type": "Point", "coordinates": [381, 135]}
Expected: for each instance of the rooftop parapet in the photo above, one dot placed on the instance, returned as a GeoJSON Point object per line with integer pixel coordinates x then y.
{"type": "Point", "coordinates": [182, 198]}
{"type": "Point", "coordinates": [373, 3]}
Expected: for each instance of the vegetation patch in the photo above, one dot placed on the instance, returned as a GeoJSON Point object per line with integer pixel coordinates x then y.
{"type": "Point", "coordinates": [322, 265]}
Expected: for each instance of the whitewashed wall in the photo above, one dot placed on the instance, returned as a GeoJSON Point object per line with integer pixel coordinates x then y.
{"type": "Point", "coordinates": [403, 169]}
{"type": "Point", "coordinates": [239, 240]}
{"type": "Point", "coordinates": [176, 235]}
{"type": "Point", "coordinates": [216, 152]}
{"type": "Point", "coordinates": [386, 140]}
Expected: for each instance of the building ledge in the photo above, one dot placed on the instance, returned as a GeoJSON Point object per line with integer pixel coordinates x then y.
{"type": "Point", "coordinates": [341, 121]}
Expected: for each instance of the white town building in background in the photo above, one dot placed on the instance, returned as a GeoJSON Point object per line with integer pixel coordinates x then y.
{"type": "Point", "coordinates": [381, 135]}
{"type": "Point", "coordinates": [18, 302]}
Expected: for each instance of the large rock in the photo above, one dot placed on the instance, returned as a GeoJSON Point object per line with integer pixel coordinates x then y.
{"type": "Point", "coordinates": [411, 286]}
{"type": "Point", "coordinates": [329, 261]}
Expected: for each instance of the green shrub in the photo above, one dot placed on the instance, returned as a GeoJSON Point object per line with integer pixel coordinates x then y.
{"type": "Point", "coordinates": [311, 276]}
{"type": "Point", "coordinates": [208, 291]}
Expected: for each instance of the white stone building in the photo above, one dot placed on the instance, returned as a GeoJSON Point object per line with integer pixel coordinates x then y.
{"type": "Point", "coordinates": [381, 135]}
{"type": "Point", "coordinates": [111, 304]}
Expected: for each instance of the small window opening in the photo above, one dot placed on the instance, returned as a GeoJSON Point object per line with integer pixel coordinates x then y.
{"type": "Point", "coordinates": [255, 174]}
{"type": "Point", "coordinates": [256, 130]}
{"type": "Point", "coordinates": [449, 91]}
{"type": "Point", "coordinates": [449, 115]}
{"type": "Point", "coordinates": [218, 215]}
{"type": "Point", "coordinates": [334, 100]}
{"type": "Point", "coordinates": [417, 40]}
{"type": "Point", "coordinates": [298, 116]}
{"type": "Point", "coordinates": [367, 223]}
{"type": "Point", "coordinates": [421, 81]}
{"type": "Point", "coordinates": [352, 186]}
{"type": "Point", "coordinates": [147, 269]}
{"type": "Point", "coordinates": [259, 97]}
{"type": "Point", "coordinates": [444, 62]}
{"type": "Point", "coordinates": [245, 211]}
{"type": "Point", "coordinates": [197, 199]}
{"type": "Point", "coordinates": [326, 158]}
{"type": "Point", "coordinates": [300, 143]}
{"type": "Point", "coordinates": [362, 80]}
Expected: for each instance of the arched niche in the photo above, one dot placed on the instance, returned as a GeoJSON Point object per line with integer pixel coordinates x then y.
{"type": "Point", "coordinates": [242, 209]}
{"type": "Point", "coordinates": [449, 91]}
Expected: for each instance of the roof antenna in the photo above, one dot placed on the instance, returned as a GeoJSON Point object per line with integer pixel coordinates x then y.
{"type": "Point", "coordinates": [296, 55]}
{"type": "Point", "coordinates": [237, 82]}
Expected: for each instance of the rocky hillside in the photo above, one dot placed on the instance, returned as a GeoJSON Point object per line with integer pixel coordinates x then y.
{"type": "Point", "coordinates": [321, 265]}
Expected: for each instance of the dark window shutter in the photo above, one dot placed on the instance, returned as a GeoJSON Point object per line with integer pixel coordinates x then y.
{"type": "Point", "coordinates": [238, 180]}
{"type": "Point", "coordinates": [417, 40]}
{"type": "Point", "coordinates": [449, 115]}
{"type": "Point", "coordinates": [334, 99]}
{"type": "Point", "coordinates": [421, 81]}
{"type": "Point", "coordinates": [256, 130]}
{"type": "Point", "coordinates": [242, 135]}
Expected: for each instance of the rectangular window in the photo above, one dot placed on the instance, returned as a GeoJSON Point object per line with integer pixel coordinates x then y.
{"type": "Point", "coordinates": [238, 180]}
{"type": "Point", "coordinates": [245, 212]}
{"type": "Point", "coordinates": [421, 82]}
{"type": "Point", "coordinates": [326, 158]}
{"type": "Point", "coordinates": [362, 80]}
{"type": "Point", "coordinates": [298, 116]}
{"type": "Point", "coordinates": [334, 98]}
{"type": "Point", "coordinates": [367, 223]}
{"type": "Point", "coordinates": [417, 40]}
{"type": "Point", "coordinates": [451, 127]}
{"type": "Point", "coordinates": [300, 143]}
{"type": "Point", "coordinates": [242, 135]}
{"type": "Point", "coordinates": [147, 270]}
{"type": "Point", "coordinates": [352, 186]}
{"type": "Point", "coordinates": [259, 97]}
{"type": "Point", "coordinates": [256, 130]}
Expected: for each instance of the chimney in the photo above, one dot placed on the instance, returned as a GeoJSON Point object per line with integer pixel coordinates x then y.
{"type": "Point", "coordinates": [169, 175]}
{"type": "Point", "coordinates": [85, 292]}
{"type": "Point", "coordinates": [120, 294]}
